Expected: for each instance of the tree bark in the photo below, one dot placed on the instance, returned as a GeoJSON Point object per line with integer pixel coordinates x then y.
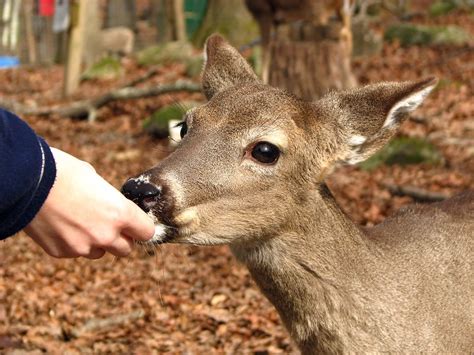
{"type": "Point", "coordinates": [161, 19]}
{"type": "Point", "coordinates": [179, 22]}
{"type": "Point", "coordinates": [231, 19]}
{"type": "Point", "coordinates": [28, 31]}
{"type": "Point", "coordinates": [416, 193]}
{"type": "Point", "coordinates": [309, 65]}
{"type": "Point", "coordinates": [88, 108]}
{"type": "Point", "coordinates": [306, 45]}
{"type": "Point", "coordinates": [76, 43]}
{"type": "Point", "coordinates": [121, 13]}
{"type": "Point", "coordinates": [92, 38]}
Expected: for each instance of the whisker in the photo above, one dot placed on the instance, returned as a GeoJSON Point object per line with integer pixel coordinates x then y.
{"type": "Point", "coordinates": [159, 247]}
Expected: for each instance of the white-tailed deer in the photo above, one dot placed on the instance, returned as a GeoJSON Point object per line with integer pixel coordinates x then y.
{"type": "Point", "coordinates": [109, 41]}
{"type": "Point", "coordinates": [250, 173]}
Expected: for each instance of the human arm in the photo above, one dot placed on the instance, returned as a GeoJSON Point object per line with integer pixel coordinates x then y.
{"type": "Point", "coordinates": [27, 173]}
{"type": "Point", "coordinates": [86, 216]}
{"type": "Point", "coordinates": [80, 215]}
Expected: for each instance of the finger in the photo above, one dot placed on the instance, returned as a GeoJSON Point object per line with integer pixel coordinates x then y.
{"type": "Point", "coordinates": [53, 245]}
{"type": "Point", "coordinates": [139, 225]}
{"type": "Point", "coordinates": [95, 253]}
{"type": "Point", "coordinates": [121, 246]}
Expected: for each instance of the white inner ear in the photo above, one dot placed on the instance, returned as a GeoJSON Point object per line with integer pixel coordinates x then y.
{"type": "Point", "coordinates": [408, 104]}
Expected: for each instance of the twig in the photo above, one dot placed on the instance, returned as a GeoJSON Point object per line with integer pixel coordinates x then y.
{"type": "Point", "coordinates": [417, 119]}
{"type": "Point", "coordinates": [416, 193]}
{"type": "Point", "coordinates": [87, 108]}
{"type": "Point", "coordinates": [97, 324]}
{"type": "Point", "coordinates": [142, 78]}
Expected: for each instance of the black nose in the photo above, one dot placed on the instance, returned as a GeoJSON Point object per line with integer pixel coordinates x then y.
{"type": "Point", "coordinates": [143, 193]}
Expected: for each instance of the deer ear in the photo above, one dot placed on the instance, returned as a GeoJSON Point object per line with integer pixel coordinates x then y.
{"type": "Point", "coordinates": [223, 67]}
{"type": "Point", "coordinates": [371, 115]}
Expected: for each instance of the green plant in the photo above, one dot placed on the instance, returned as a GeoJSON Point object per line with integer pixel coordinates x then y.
{"type": "Point", "coordinates": [404, 151]}
{"type": "Point", "coordinates": [409, 34]}
{"type": "Point", "coordinates": [106, 68]}
{"type": "Point", "coordinates": [165, 53]}
{"type": "Point", "coordinates": [157, 124]}
{"type": "Point", "coordinates": [442, 7]}
{"type": "Point", "coordinates": [194, 66]}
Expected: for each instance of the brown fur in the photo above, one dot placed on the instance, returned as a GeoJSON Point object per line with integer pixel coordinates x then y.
{"type": "Point", "coordinates": [402, 286]}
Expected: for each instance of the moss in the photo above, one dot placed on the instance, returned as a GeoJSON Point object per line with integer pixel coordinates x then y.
{"type": "Point", "coordinates": [157, 124]}
{"type": "Point", "coordinates": [404, 151]}
{"type": "Point", "coordinates": [170, 52]}
{"type": "Point", "coordinates": [409, 34]}
{"type": "Point", "coordinates": [231, 19]}
{"type": "Point", "coordinates": [446, 83]}
{"type": "Point", "coordinates": [194, 66]}
{"type": "Point", "coordinates": [255, 60]}
{"type": "Point", "coordinates": [441, 7]}
{"type": "Point", "coordinates": [106, 68]}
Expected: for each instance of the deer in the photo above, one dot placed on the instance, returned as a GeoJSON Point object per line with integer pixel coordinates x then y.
{"type": "Point", "coordinates": [116, 41]}
{"type": "Point", "coordinates": [250, 173]}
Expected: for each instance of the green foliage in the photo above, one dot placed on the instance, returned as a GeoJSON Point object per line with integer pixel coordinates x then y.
{"type": "Point", "coordinates": [194, 11]}
{"type": "Point", "coordinates": [445, 83]}
{"type": "Point", "coordinates": [441, 7]}
{"type": "Point", "coordinates": [409, 34]}
{"type": "Point", "coordinates": [404, 151]}
{"type": "Point", "coordinates": [157, 124]}
{"type": "Point", "coordinates": [165, 53]}
{"type": "Point", "coordinates": [365, 41]}
{"type": "Point", "coordinates": [194, 66]}
{"type": "Point", "coordinates": [231, 19]}
{"type": "Point", "coordinates": [255, 60]}
{"type": "Point", "coordinates": [106, 68]}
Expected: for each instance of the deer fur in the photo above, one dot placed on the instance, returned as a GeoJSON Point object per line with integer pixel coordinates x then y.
{"type": "Point", "coordinates": [403, 286]}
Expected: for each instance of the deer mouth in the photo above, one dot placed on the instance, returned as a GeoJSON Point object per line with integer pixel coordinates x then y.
{"type": "Point", "coordinates": [172, 229]}
{"type": "Point", "coordinates": [163, 234]}
{"type": "Point", "coordinates": [164, 231]}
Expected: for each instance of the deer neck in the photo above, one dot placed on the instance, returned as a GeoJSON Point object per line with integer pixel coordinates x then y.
{"type": "Point", "coordinates": [314, 273]}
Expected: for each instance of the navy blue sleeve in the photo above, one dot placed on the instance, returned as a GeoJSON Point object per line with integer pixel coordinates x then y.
{"type": "Point", "coordinates": [27, 173]}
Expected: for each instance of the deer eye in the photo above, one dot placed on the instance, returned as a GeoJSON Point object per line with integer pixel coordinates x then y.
{"type": "Point", "coordinates": [265, 153]}
{"type": "Point", "coordinates": [184, 128]}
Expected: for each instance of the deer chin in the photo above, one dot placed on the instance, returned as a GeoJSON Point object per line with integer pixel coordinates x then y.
{"type": "Point", "coordinates": [185, 230]}
{"type": "Point", "coordinates": [165, 234]}
{"type": "Point", "coordinates": [184, 227]}
{"type": "Point", "coordinates": [161, 234]}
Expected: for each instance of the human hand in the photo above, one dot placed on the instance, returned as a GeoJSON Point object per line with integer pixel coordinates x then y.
{"type": "Point", "coordinates": [84, 215]}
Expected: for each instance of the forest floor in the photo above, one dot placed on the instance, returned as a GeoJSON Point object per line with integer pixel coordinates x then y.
{"type": "Point", "coordinates": [192, 300]}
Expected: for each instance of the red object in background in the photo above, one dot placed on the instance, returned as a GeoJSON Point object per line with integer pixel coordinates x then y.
{"type": "Point", "coordinates": [46, 7]}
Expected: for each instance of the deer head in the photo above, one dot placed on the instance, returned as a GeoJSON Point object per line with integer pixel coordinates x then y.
{"type": "Point", "coordinates": [252, 158]}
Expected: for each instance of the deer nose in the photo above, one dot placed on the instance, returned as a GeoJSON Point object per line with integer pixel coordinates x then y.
{"type": "Point", "coordinates": [144, 194]}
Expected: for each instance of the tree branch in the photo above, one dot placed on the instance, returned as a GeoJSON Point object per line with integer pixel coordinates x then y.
{"type": "Point", "coordinates": [416, 193]}
{"type": "Point", "coordinates": [98, 324]}
{"type": "Point", "coordinates": [88, 108]}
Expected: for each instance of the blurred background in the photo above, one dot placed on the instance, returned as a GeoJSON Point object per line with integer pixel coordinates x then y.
{"type": "Point", "coordinates": [102, 80]}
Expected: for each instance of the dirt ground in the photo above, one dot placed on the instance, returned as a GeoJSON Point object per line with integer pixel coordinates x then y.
{"type": "Point", "coordinates": [190, 300]}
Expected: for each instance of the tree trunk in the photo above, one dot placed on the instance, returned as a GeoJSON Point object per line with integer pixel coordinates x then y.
{"type": "Point", "coordinates": [179, 21]}
{"type": "Point", "coordinates": [309, 64]}
{"type": "Point", "coordinates": [161, 19]}
{"type": "Point", "coordinates": [231, 19]}
{"type": "Point", "coordinates": [306, 45]}
{"type": "Point", "coordinates": [76, 42]}
{"type": "Point", "coordinates": [29, 36]}
{"type": "Point", "coordinates": [121, 13]}
{"type": "Point", "coordinates": [92, 37]}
